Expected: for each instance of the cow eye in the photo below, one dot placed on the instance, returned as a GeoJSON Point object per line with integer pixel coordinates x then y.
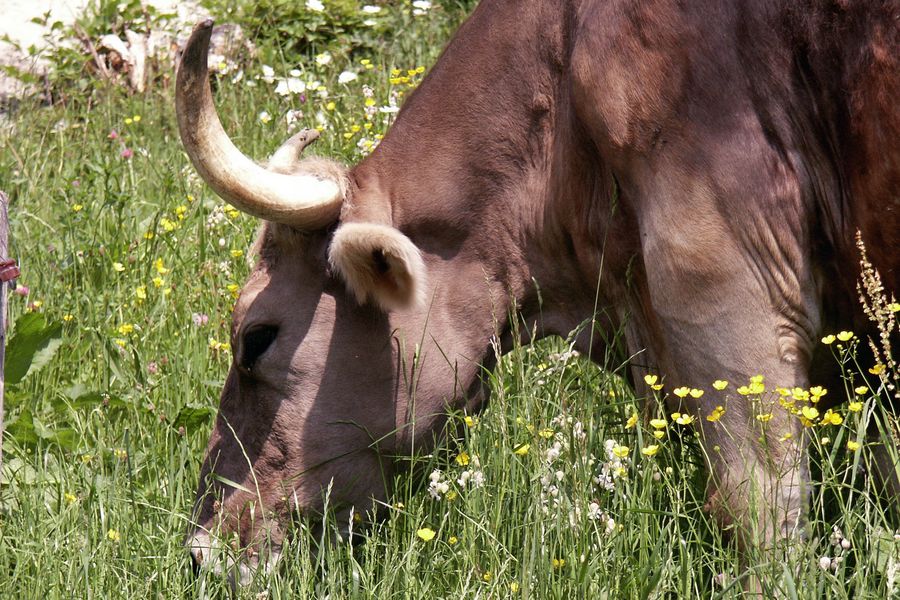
{"type": "Point", "coordinates": [256, 341]}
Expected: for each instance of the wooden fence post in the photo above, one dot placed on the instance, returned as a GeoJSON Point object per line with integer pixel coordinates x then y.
{"type": "Point", "coordinates": [4, 250]}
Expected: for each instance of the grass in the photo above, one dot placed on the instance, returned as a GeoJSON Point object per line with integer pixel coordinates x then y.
{"type": "Point", "coordinates": [104, 441]}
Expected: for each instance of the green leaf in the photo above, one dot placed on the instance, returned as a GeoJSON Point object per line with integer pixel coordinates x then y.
{"type": "Point", "coordinates": [192, 417]}
{"type": "Point", "coordinates": [33, 344]}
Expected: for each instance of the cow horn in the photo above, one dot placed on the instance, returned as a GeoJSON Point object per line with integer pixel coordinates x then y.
{"type": "Point", "coordinates": [302, 200]}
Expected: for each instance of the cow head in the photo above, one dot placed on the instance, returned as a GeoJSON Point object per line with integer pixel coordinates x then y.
{"type": "Point", "coordinates": [360, 329]}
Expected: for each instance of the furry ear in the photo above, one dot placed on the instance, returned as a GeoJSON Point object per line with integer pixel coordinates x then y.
{"type": "Point", "coordinates": [378, 262]}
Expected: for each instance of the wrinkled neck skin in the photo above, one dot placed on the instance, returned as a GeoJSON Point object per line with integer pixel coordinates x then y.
{"type": "Point", "coordinates": [488, 180]}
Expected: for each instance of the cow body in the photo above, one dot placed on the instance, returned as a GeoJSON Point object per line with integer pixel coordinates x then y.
{"type": "Point", "coordinates": [692, 173]}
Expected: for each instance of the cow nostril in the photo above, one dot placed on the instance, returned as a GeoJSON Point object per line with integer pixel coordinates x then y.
{"type": "Point", "coordinates": [199, 548]}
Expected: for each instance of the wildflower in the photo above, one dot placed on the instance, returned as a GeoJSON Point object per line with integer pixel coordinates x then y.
{"type": "Point", "coordinates": [180, 211]}
{"type": "Point", "coordinates": [113, 134]}
{"type": "Point", "coordinates": [462, 459]}
{"type": "Point", "coordinates": [290, 85]}
{"type": "Point", "coordinates": [845, 336]}
{"type": "Point", "coordinates": [825, 563]}
{"type": "Point", "coordinates": [125, 328]}
{"type": "Point", "coordinates": [632, 421]}
{"type": "Point", "coordinates": [720, 384]}
{"type": "Point", "coordinates": [119, 342]}
{"type": "Point", "coordinates": [764, 418]}
{"type": "Point", "coordinates": [22, 290]}
{"type": "Point", "coordinates": [152, 368]}
{"type": "Point", "coordinates": [894, 307]}
{"type": "Point", "coordinates": [264, 117]}
{"type": "Point", "coordinates": [546, 433]}
{"type": "Point", "coordinates": [650, 450]}
{"type": "Point", "coordinates": [140, 292]}
{"type": "Point", "coordinates": [828, 340]}
{"type": "Point", "coordinates": [786, 437]}
{"type": "Point", "coordinates": [816, 392]}
{"type": "Point", "coordinates": [681, 392]}
{"type": "Point", "coordinates": [160, 266]}
{"type": "Point", "coordinates": [650, 379]}
{"type": "Point", "coordinates": [469, 421]}
{"type": "Point", "coordinates": [558, 563]}
{"type": "Point", "coordinates": [682, 419]}
{"type": "Point", "coordinates": [659, 434]}
{"type": "Point", "coordinates": [716, 414]}
{"type": "Point", "coordinates": [118, 267]}
{"type": "Point", "coordinates": [324, 58]}
{"type": "Point", "coordinates": [452, 540]}
{"type": "Point", "coordinates": [86, 458]}
{"type": "Point", "coordinates": [113, 535]}
{"type": "Point", "coordinates": [127, 153]}
{"type": "Point", "coordinates": [120, 453]}
{"type": "Point", "coordinates": [809, 412]}
{"type": "Point", "coordinates": [513, 587]}
{"type": "Point", "coordinates": [620, 451]}
{"type": "Point", "coordinates": [878, 369]}
{"type": "Point", "coordinates": [832, 418]}
{"type": "Point", "coordinates": [853, 445]}
{"type": "Point", "coordinates": [861, 390]}
{"type": "Point", "coordinates": [658, 423]}
{"type": "Point", "coordinates": [77, 207]}
{"type": "Point", "coordinates": [315, 5]}
{"type": "Point", "coordinates": [695, 393]}
{"type": "Point", "coordinates": [158, 281]}
{"type": "Point", "coordinates": [855, 406]}
{"type": "Point", "coordinates": [347, 77]}
{"type": "Point", "coordinates": [70, 498]}
{"type": "Point", "coordinates": [67, 318]}
{"type": "Point", "coordinates": [522, 450]}
{"type": "Point", "coordinates": [437, 487]}
{"type": "Point", "coordinates": [371, 10]}
{"type": "Point", "coordinates": [420, 7]}
{"type": "Point", "coordinates": [743, 390]}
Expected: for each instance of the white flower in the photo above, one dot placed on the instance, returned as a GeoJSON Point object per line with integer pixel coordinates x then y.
{"type": "Point", "coordinates": [594, 511]}
{"type": "Point", "coordinates": [420, 7]}
{"type": "Point", "coordinates": [610, 525]}
{"type": "Point", "coordinates": [265, 117]}
{"type": "Point", "coordinates": [315, 5]}
{"type": "Point", "coordinates": [291, 85]}
{"type": "Point", "coordinates": [323, 59]}
{"type": "Point", "coordinates": [370, 22]}
{"type": "Point", "coordinates": [295, 73]}
{"type": "Point", "coordinates": [825, 563]}
{"type": "Point", "coordinates": [371, 10]}
{"type": "Point", "coordinates": [292, 118]}
{"type": "Point", "coordinates": [268, 74]}
{"type": "Point", "coordinates": [347, 77]}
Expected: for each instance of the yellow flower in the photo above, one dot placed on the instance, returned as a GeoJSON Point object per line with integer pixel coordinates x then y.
{"type": "Point", "coordinates": [720, 384]}
{"type": "Point", "coordinates": [118, 267]}
{"type": "Point", "coordinates": [522, 450]}
{"type": "Point", "coordinates": [125, 328]}
{"type": "Point", "coordinates": [558, 563]}
{"type": "Point", "coordinates": [426, 534]}
{"type": "Point", "coordinates": [716, 414]}
{"type": "Point", "coordinates": [453, 539]}
{"type": "Point", "coordinates": [809, 412]}
{"type": "Point", "coordinates": [67, 318]}
{"type": "Point", "coordinates": [695, 393]}
{"type": "Point", "coordinates": [119, 342]}
{"type": "Point", "coordinates": [469, 421]}
{"type": "Point", "coordinates": [650, 450]}
{"type": "Point", "coordinates": [650, 379]}
{"type": "Point", "coordinates": [168, 225]}
{"type": "Point", "coordinates": [878, 369]}
{"type": "Point", "coordinates": [620, 451]}
{"type": "Point", "coordinates": [137, 118]}
{"type": "Point", "coordinates": [743, 390]}
{"type": "Point", "coordinates": [756, 386]}
{"type": "Point", "coordinates": [160, 266]}
{"type": "Point", "coordinates": [77, 207]}
{"type": "Point", "coordinates": [140, 292]}
{"type": "Point", "coordinates": [816, 392]}
{"type": "Point", "coordinates": [70, 498]}
{"type": "Point", "coordinates": [786, 437]}
{"type": "Point", "coordinates": [682, 419]}
{"type": "Point", "coordinates": [113, 535]}
{"type": "Point", "coordinates": [845, 336]}
{"type": "Point", "coordinates": [237, 253]}
{"type": "Point", "coordinates": [487, 576]}
{"type": "Point", "coordinates": [120, 453]}
{"type": "Point", "coordinates": [659, 434]}
{"type": "Point", "coordinates": [681, 392]}
{"type": "Point", "coordinates": [853, 445]}
{"type": "Point", "coordinates": [757, 379]}
{"type": "Point", "coordinates": [828, 339]}
{"type": "Point", "coordinates": [632, 421]}
{"type": "Point", "coordinates": [861, 390]}
{"type": "Point", "coordinates": [514, 587]}
{"type": "Point", "coordinates": [764, 418]}
{"type": "Point", "coordinates": [658, 423]}
{"type": "Point", "coordinates": [180, 211]}
{"type": "Point", "coordinates": [832, 418]}
{"type": "Point", "coordinates": [158, 281]}
{"type": "Point", "coordinates": [894, 307]}
{"type": "Point", "coordinates": [462, 458]}
{"type": "Point", "coordinates": [855, 406]}
{"type": "Point", "coordinates": [546, 433]}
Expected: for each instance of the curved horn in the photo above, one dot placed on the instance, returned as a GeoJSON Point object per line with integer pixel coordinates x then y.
{"type": "Point", "coordinates": [304, 201]}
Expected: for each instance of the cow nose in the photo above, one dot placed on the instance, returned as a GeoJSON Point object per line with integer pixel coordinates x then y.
{"type": "Point", "coordinates": [200, 548]}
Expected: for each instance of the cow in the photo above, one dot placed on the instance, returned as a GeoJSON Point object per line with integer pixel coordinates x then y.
{"type": "Point", "coordinates": [692, 173]}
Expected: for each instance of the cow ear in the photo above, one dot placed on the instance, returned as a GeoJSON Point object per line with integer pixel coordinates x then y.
{"type": "Point", "coordinates": [378, 262]}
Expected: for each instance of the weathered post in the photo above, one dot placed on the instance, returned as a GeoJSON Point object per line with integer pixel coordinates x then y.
{"type": "Point", "coordinates": [4, 250]}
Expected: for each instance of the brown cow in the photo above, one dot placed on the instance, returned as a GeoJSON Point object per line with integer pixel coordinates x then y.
{"type": "Point", "coordinates": [693, 172]}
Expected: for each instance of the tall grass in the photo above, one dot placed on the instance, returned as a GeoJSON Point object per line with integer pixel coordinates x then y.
{"type": "Point", "coordinates": [140, 262]}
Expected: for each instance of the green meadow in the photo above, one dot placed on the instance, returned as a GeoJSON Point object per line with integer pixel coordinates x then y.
{"type": "Point", "coordinates": [567, 486]}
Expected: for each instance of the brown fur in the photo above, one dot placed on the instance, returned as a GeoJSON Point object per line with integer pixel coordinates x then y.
{"type": "Point", "coordinates": [692, 173]}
